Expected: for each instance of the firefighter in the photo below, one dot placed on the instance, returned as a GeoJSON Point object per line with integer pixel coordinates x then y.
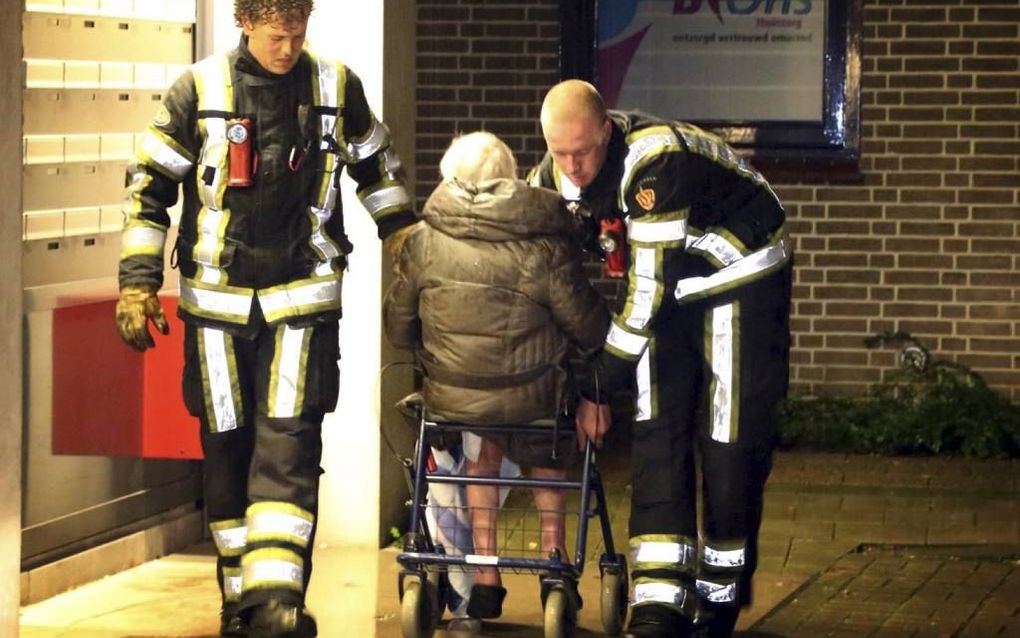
{"type": "Point", "coordinates": [702, 337]}
{"type": "Point", "coordinates": [258, 138]}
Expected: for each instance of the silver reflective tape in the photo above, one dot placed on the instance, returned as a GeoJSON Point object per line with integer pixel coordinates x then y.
{"type": "Point", "coordinates": [392, 163]}
{"type": "Point", "coordinates": [276, 303]}
{"type": "Point", "coordinates": [660, 552]}
{"type": "Point", "coordinates": [716, 592]}
{"type": "Point", "coordinates": [718, 247]}
{"type": "Point", "coordinates": [664, 141]}
{"type": "Point", "coordinates": [649, 232]}
{"type": "Point", "coordinates": [210, 243]}
{"type": "Point", "coordinates": [230, 539]}
{"type": "Point", "coordinates": [161, 153]}
{"type": "Point", "coordinates": [323, 244]}
{"type": "Point", "coordinates": [643, 381]}
{"type": "Point", "coordinates": [759, 262]}
{"type": "Point", "coordinates": [276, 524]}
{"type": "Point", "coordinates": [232, 588]}
{"type": "Point", "coordinates": [384, 197]}
{"type": "Point", "coordinates": [289, 374]}
{"type": "Point", "coordinates": [377, 138]}
{"type": "Point", "coordinates": [626, 341]}
{"type": "Point", "coordinates": [724, 558]}
{"type": "Point", "coordinates": [276, 571]}
{"type": "Point", "coordinates": [655, 592]}
{"type": "Point", "coordinates": [139, 236]}
{"type": "Point", "coordinates": [646, 287]}
{"type": "Point", "coordinates": [218, 372]}
{"type": "Point", "coordinates": [220, 303]}
{"type": "Point", "coordinates": [721, 417]}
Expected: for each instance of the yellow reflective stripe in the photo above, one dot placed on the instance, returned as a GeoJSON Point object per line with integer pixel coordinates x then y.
{"type": "Point", "coordinates": [643, 146]}
{"type": "Point", "coordinates": [215, 91]}
{"type": "Point", "coordinates": [630, 344]}
{"type": "Point", "coordinates": [658, 554]}
{"type": "Point", "coordinates": [722, 333]}
{"type": "Point", "coordinates": [211, 228]}
{"type": "Point", "coordinates": [278, 521]}
{"type": "Point", "coordinates": [271, 568]}
{"type": "Point", "coordinates": [721, 247]}
{"type": "Point", "coordinates": [640, 230]}
{"type": "Point", "coordinates": [383, 197]}
{"type": "Point", "coordinates": [225, 303]}
{"type": "Point", "coordinates": [656, 591]}
{"type": "Point", "coordinates": [232, 584]}
{"type": "Point", "coordinates": [645, 404]}
{"type": "Point", "coordinates": [220, 382]}
{"type": "Point", "coordinates": [371, 143]}
{"type": "Point", "coordinates": [752, 267]}
{"type": "Point", "coordinates": [302, 297]}
{"type": "Point", "coordinates": [161, 152]}
{"type": "Point", "coordinates": [328, 87]}
{"type": "Point", "coordinates": [644, 287]}
{"type": "Point", "coordinates": [287, 372]}
{"type": "Point", "coordinates": [229, 536]}
{"type": "Point", "coordinates": [141, 239]}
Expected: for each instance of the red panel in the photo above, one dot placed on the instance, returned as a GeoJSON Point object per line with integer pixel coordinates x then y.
{"type": "Point", "coordinates": [110, 400]}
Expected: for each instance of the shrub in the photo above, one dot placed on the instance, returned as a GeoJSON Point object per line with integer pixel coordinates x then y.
{"type": "Point", "coordinates": [921, 407]}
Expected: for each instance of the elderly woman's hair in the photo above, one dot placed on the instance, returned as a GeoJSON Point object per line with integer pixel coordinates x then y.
{"type": "Point", "coordinates": [476, 157]}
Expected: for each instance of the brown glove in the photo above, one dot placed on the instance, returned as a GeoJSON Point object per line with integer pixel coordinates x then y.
{"type": "Point", "coordinates": [138, 305]}
{"type": "Point", "coordinates": [394, 242]}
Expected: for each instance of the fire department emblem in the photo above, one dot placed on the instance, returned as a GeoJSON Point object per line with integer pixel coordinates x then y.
{"type": "Point", "coordinates": [237, 133]}
{"type": "Point", "coordinates": [645, 198]}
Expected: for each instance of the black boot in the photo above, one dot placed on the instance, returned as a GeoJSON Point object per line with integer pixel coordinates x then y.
{"type": "Point", "coordinates": [486, 601]}
{"type": "Point", "coordinates": [722, 620]}
{"type": "Point", "coordinates": [658, 621]}
{"type": "Point", "coordinates": [231, 622]}
{"type": "Point", "coordinates": [278, 619]}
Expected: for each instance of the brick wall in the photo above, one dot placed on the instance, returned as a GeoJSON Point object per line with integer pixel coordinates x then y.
{"type": "Point", "coordinates": [925, 238]}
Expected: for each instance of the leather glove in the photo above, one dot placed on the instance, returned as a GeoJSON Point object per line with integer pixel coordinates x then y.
{"type": "Point", "coordinates": [137, 306]}
{"type": "Point", "coordinates": [394, 242]}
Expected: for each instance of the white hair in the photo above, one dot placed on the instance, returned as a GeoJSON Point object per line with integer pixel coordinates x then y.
{"type": "Point", "coordinates": [476, 157]}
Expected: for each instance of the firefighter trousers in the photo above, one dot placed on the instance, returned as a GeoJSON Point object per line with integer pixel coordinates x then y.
{"type": "Point", "coordinates": [260, 403]}
{"type": "Point", "coordinates": [706, 393]}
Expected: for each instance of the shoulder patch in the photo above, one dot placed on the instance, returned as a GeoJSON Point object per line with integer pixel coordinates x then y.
{"type": "Point", "coordinates": [645, 197]}
{"type": "Point", "coordinates": [162, 118]}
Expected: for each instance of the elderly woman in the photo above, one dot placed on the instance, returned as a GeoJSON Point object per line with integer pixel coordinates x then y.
{"type": "Point", "coordinates": [491, 293]}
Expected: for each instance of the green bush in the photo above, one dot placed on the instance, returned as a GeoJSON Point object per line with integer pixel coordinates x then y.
{"type": "Point", "coordinates": [939, 407]}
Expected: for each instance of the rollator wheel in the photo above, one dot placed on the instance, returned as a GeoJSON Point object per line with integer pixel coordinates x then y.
{"type": "Point", "coordinates": [419, 612]}
{"type": "Point", "coordinates": [613, 601]}
{"type": "Point", "coordinates": [560, 615]}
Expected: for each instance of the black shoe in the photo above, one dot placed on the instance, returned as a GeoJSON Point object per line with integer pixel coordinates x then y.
{"type": "Point", "coordinates": [486, 601]}
{"type": "Point", "coordinates": [658, 621]}
{"type": "Point", "coordinates": [231, 623]}
{"type": "Point", "coordinates": [569, 586]}
{"type": "Point", "coordinates": [277, 619]}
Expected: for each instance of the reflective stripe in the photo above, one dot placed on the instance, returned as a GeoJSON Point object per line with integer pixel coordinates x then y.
{"type": "Point", "coordinates": [724, 557]}
{"type": "Point", "coordinates": [232, 584]}
{"type": "Point", "coordinates": [644, 386]}
{"type": "Point", "coordinates": [232, 305]}
{"type": "Point", "coordinates": [229, 536]}
{"type": "Point", "coordinates": [384, 198]}
{"type": "Point", "coordinates": [298, 298]}
{"type": "Point", "coordinates": [215, 91]}
{"type": "Point", "coordinates": [723, 251]}
{"type": "Point", "coordinates": [663, 552]}
{"type": "Point", "coordinates": [287, 374]}
{"type": "Point", "coordinates": [658, 231]}
{"type": "Point", "coordinates": [218, 380]}
{"type": "Point", "coordinates": [156, 149]}
{"type": "Point", "coordinates": [372, 143]}
{"type": "Point", "coordinates": [754, 266]}
{"type": "Point", "coordinates": [723, 333]}
{"type": "Point", "coordinates": [281, 522]}
{"type": "Point", "coordinates": [658, 592]}
{"type": "Point", "coordinates": [649, 144]}
{"type": "Point", "coordinates": [325, 247]}
{"type": "Point", "coordinates": [392, 163]}
{"type": "Point", "coordinates": [626, 342]}
{"type": "Point", "coordinates": [710, 146]}
{"type": "Point", "coordinates": [644, 288]}
{"type": "Point", "coordinates": [716, 592]}
{"type": "Point", "coordinates": [142, 240]}
{"type": "Point", "coordinates": [272, 568]}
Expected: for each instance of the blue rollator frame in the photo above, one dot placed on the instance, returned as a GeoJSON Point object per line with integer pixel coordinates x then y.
{"type": "Point", "coordinates": [422, 589]}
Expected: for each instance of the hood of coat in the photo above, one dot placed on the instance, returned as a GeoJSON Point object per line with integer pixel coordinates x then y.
{"type": "Point", "coordinates": [495, 210]}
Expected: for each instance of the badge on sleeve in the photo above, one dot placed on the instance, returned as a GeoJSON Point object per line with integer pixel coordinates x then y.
{"type": "Point", "coordinates": [645, 198]}
{"type": "Point", "coordinates": [162, 118]}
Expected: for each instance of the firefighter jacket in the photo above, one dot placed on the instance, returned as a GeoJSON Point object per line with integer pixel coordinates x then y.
{"type": "Point", "coordinates": [699, 221]}
{"type": "Point", "coordinates": [278, 243]}
{"type": "Point", "coordinates": [491, 291]}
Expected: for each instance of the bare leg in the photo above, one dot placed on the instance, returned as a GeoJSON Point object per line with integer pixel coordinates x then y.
{"type": "Point", "coordinates": [483, 500]}
{"type": "Point", "coordinates": [550, 505]}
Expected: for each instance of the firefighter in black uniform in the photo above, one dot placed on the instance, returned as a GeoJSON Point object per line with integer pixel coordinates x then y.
{"type": "Point", "coordinates": [258, 137]}
{"type": "Point", "coordinates": [702, 337]}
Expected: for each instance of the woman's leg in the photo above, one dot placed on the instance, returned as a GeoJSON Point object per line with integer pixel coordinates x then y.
{"type": "Point", "coordinates": [483, 501]}
{"type": "Point", "coordinates": [550, 505]}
